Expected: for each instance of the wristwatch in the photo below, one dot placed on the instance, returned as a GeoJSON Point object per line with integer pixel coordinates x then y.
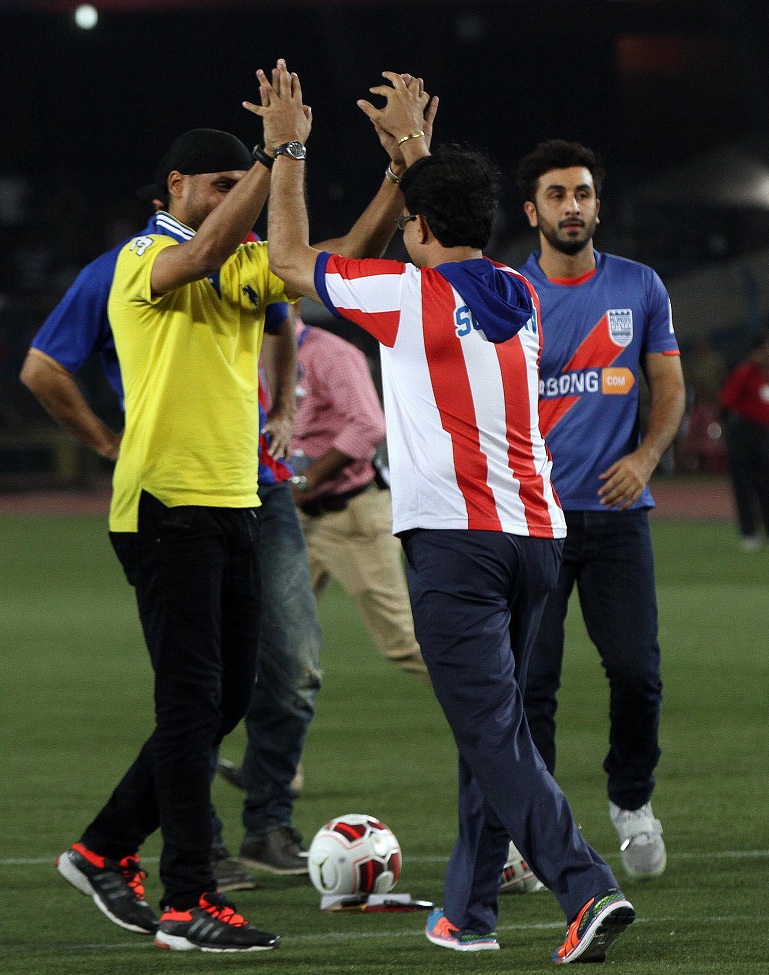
{"type": "Point", "coordinates": [259, 155]}
{"type": "Point", "coordinates": [299, 482]}
{"type": "Point", "coordinates": [294, 150]}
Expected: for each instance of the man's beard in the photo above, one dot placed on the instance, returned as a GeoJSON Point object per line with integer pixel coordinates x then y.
{"type": "Point", "coordinates": [568, 246]}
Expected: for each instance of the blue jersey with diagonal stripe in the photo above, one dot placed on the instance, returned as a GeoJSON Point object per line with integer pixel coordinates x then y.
{"type": "Point", "coordinates": [596, 332]}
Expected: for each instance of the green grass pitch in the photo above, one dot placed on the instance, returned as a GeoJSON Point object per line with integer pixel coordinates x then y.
{"type": "Point", "coordinates": [76, 696]}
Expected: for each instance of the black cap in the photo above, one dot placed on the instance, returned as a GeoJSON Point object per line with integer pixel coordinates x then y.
{"type": "Point", "coordinates": [204, 151]}
{"type": "Point", "coordinates": [152, 192]}
{"type": "Point", "coordinates": [197, 151]}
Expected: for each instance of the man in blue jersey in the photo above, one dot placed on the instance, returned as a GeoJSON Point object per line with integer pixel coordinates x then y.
{"type": "Point", "coordinates": [605, 321]}
{"type": "Point", "coordinates": [290, 634]}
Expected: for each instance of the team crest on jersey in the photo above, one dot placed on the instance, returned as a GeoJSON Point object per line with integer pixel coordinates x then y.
{"type": "Point", "coordinates": [620, 326]}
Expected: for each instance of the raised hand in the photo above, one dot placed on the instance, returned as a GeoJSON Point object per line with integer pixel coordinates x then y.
{"type": "Point", "coordinates": [286, 118]}
{"type": "Point", "coordinates": [408, 110]}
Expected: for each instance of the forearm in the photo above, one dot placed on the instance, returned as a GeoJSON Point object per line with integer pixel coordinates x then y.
{"type": "Point", "coordinates": [61, 397]}
{"type": "Point", "coordinates": [218, 237]}
{"type": "Point", "coordinates": [668, 401]}
{"type": "Point", "coordinates": [326, 468]}
{"type": "Point", "coordinates": [291, 256]}
{"type": "Point", "coordinates": [279, 358]}
{"type": "Point", "coordinates": [664, 420]}
{"type": "Point", "coordinates": [374, 229]}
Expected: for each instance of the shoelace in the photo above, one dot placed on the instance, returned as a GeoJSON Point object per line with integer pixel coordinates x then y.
{"type": "Point", "coordinates": [223, 911]}
{"type": "Point", "coordinates": [445, 928]}
{"type": "Point", "coordinates": [637, 825]}
{"type": "Point", "coordinates": [134, 875]}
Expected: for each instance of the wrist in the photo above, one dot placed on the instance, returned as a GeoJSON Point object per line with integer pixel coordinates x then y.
{"type": "Point", "coordinates": [416, 134]}
{"type": "Point", "coordinates": [262, 155]}
{"type": "Point", "coordinates": [413, 150]}
{"type": "Point", "coordinates": [394, 172]}
{"type": "Point", "coordinates": [294, 150]}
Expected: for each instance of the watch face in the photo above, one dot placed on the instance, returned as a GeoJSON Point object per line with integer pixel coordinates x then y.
{"type": "Point", "coordinates": [294, 149]}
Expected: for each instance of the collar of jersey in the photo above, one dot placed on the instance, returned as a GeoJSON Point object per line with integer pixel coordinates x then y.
{"type": "Point", "coordinates": [164, 223]}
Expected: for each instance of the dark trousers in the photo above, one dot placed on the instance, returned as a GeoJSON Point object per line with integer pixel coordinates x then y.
{"type": "Point", "coordinates": [477, 599]}
{"type": "Point", "coordinates": [748, 449]}
{"type": "Point", "coordinates": [289, 676]}
{"type": "Point", "coordinates": [608, 554]}
{"type": "Point", "coordinates": [195, 571]}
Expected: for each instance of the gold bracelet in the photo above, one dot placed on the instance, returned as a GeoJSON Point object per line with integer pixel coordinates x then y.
{"type": "Point", "coordinates": [411, 135]}
{"type": "Point", "coordinates": [391, 175]}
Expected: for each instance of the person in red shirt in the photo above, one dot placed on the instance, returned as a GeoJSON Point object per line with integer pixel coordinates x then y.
{"type": "Point", "coordinates": [745, 397]}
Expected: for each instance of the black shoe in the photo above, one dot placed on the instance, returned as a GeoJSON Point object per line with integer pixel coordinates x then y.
{"type": "Point", "coordinates": [231, 773]}
{"type": "Point", "coordinates": [228, 872]}
{"type": "Point", "coordinates": [214, 925]}
{"type": "Point", "coordinates": [116, 887]}
{"type": "Point", "coordinates": [279, 851]}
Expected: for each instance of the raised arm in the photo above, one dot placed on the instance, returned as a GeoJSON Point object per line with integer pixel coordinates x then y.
{"type": "Point", "coordinates": [286, 119]}
{"type": "Point", "coordinates": [374, 229]}
{"type": "Point", "coordinates": [219, 234]}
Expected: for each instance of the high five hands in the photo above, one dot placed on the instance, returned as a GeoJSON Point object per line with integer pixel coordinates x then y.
{"type": "Point", "coordinates": [408, 114]}
{"type": "Point", "coordinates": [285, 117]}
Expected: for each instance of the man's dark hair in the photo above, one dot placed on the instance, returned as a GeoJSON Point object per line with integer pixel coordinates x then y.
{"type": "Point", "coordinates": [557, 154]}
{"type": "Point", "coordinates": [456, 190]}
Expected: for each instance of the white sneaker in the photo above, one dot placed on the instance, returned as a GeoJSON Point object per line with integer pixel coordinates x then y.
{"type": "Point", "coordinates": [517, 876]}
{"type": "Point", "coordinates": [641, 844]}
{"type": "Point", "coordinates": [751, 543]}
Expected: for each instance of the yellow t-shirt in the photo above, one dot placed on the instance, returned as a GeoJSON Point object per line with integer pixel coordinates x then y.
{"type": "Point", "coordinates": [189, 362]}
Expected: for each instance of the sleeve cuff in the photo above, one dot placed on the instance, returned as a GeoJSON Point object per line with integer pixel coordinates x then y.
{"type": "Point", "coordinates": [320, 282]}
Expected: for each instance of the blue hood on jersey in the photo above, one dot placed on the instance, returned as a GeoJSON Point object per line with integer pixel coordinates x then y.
{"type": "Point", "coordinates": [499, 301]}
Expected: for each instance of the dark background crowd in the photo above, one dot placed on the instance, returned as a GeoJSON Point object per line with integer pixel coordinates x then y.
{"type": "Point", "coordinates": [674, 95]}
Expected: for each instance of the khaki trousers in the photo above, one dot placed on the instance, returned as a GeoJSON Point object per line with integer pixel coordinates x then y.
{"type": "Point", "coordinates": [357, 548]}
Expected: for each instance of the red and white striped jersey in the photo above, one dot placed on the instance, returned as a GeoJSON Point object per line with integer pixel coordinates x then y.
{"type": "Point", "coordinates": [463, 436]}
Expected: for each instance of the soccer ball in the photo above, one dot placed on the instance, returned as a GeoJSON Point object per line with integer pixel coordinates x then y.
{"type": "Point", "coordinates": [354, 854]}
{"type": "Point", "coordinates": [517, 876]}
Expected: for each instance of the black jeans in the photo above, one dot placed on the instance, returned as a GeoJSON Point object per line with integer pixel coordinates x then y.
{"type": "Point", "coordinates": [748, 448]}
{"type": "Point", "coordinates": [608, 554]}
{"type": "Point", "coordinates": [196, 575]}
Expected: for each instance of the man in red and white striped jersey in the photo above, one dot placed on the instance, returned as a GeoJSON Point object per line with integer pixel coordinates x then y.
{"type": "Point", "coordinates": [478, 519]}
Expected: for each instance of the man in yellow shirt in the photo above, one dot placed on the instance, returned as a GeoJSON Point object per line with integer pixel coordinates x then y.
{"type": "Point", "coordinates": [187, 312]}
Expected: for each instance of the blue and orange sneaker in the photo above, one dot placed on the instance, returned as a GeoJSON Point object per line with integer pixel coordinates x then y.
{"type": "Point", "coordinates": [600, 922]}
{"type": "Point", "coordinates": [116, 886]}
{"type": "Point", "coordinates": [214, 925]}
{"type": "Point", "coordinates": [442, 932]}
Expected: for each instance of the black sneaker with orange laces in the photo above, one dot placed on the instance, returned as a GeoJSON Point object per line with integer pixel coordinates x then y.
{"type": "Point", "coordinates": [214, 925]}
{"type": "Point", "coordinates": [116, 886]}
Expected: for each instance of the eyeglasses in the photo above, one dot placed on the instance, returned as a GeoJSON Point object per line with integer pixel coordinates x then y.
{"type": "Point", "coordinates": [403, 219]}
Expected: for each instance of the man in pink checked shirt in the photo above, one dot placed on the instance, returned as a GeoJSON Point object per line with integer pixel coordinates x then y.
{"type": "Point", "coordinates": [344, 503]}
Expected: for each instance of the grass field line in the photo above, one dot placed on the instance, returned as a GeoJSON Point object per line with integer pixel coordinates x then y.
{"type": "Point", "coordinates": [704, 855]}
{"type": "Point", "coordinates": [348, 936]}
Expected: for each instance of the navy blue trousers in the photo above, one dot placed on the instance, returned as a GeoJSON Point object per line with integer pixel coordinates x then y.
{"type": "Point", "coordinates": [608, 554]}
{"type": "Point", "coordinates": [196, 574]}
{"type": "Point", "coordinates": [477, 599]}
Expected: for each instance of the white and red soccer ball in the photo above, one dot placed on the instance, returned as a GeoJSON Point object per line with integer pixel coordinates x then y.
{"type": "Point", "coordinates": [354, 854]}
